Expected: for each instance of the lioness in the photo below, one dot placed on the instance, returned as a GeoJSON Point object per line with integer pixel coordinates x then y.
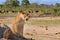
{"type": "Point", "coordinates": [16, 28]}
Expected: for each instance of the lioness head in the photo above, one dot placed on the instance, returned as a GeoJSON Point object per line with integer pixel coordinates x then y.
{"type": "Point", "coordinates": [24, 15]}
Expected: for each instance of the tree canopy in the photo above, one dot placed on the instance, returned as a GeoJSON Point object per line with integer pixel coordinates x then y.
{"type": "Point", "coordinates": [25, 2]}
{"type": "Point", "coordinates": [12, 2]}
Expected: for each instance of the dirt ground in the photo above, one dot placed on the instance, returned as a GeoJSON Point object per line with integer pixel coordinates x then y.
{"type": "Point", "coordinates": [49, 32]}
{"type": "Point", "coordinates": [40, 33]}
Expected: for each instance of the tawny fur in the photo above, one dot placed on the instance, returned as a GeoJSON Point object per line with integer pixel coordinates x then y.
{"type": "Point", "coordinates": [17, 26]}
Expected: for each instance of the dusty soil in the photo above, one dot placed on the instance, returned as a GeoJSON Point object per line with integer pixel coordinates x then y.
{"type": "Point", "coordinates": [41, 33]}
{"type": "Point", "coordinates": [44, 32]}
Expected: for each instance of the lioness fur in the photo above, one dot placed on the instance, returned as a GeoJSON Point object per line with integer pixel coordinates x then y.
{"type": "Point", "coordinates": [16, 29]}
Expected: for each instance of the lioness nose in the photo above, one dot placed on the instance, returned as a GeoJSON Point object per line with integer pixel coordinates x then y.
{"type": "Point", "coordinates": [26, 19]}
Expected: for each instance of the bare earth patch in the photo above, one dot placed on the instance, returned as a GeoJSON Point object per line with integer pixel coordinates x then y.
{"type": "Point", "coordinates": [40, 33]}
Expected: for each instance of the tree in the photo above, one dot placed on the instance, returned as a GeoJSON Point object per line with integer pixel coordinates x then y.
{"type": "Point", "coordinates": [34, 5]}
{"type": "Point", "coordinates": [12, 3]}
{"type": "Point", "coordinates": [1, 5]}
{"type": "Point", "coordinates": [57, 5]}
{"type": "Point", "coordinates": [25, 2]}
